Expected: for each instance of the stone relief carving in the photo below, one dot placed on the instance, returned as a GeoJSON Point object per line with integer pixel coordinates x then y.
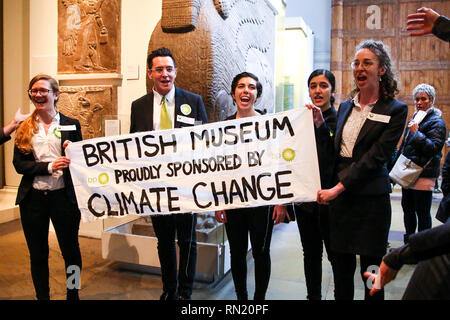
{"type": "Point", "coordinates": [212, 41]}
{"type": "Point", "coordinates": [88, 104]}
{"type": "Point", "coordinates": [89, 36]}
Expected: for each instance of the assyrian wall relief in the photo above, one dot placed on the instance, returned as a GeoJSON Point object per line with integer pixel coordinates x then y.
{"type": "Point", "coordinates": [88, 104]}
{"type": "Point", "coordinates": [212, 41]}
{"type": "Point", "coordinates": [89, 36]}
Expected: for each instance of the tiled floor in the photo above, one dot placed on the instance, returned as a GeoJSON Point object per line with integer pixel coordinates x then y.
{"type": "Point", "coordinates": [105, 280]}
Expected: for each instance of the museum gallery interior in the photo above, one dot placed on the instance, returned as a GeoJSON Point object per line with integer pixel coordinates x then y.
{"type": "Point", "coordinates": [97, 50]}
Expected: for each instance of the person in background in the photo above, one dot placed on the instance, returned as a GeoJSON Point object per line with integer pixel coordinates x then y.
{"type": "Point", "coordinates": [46, 190]}
{"type": "Point", "coordinates": [257, 221]}
{"type": "Point", "coordinates": [427, 21]}
{"type": "Point", "coordinates": [368, 128]}
{"type": "Point", "coordinates": [312, 218]}
{"type": "Point", "coordinates": [422, 143]}
{"type": "Point", "coordinates": [160, 109]}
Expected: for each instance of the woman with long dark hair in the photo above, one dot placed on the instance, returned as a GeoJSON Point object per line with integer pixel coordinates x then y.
{"type": "Point", "coordinates": [312, 218]}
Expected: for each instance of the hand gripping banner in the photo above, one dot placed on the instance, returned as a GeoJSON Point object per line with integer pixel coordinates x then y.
{"type": "Point", "coordinates": [264, 160]}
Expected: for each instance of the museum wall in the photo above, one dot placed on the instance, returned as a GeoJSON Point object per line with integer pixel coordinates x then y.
{"type": "Point", "coordinates": [16, 71]}
{"type": "Point", "coordinates": [317, 15]}
{"type": "Point", "coordinates": [415, 59]}
{"type": "Point", "coordinates": [31, 45]}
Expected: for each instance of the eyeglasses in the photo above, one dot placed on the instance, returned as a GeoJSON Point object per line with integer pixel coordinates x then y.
{"type": "Point", "coordinates": [366, 64]}
{"type": "Point", "coordinates": [160, 70]}
{"type": "Point", "coordinates": [43, 92]}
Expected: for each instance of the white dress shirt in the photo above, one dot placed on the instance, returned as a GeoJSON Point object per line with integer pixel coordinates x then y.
{"type": "Point", "coordinates": [46, 148]}
{"type": "Point", "coordinates": [353, 126]}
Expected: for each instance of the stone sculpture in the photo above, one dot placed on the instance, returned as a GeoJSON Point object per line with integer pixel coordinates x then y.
{"type": "Point", "coordinates": [89, 36]}
{"type": "Point", "coordinates": [88, 104]}
{"type": "Point", "coordinates": [212, 41]}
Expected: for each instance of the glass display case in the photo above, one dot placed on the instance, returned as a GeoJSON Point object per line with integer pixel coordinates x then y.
{"type": "Point", "coordinates": [134, 243]}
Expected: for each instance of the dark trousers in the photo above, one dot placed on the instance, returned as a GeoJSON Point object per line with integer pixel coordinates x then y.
{"type": "Point", "coordinates": [258, 222]}
{"type": "Point", "coordinates": [312, 222]}
{"type": "Point", "coordinates": [344, 273]}
{"type": "Point", "coordinates": [36, 210]}
{"type": "Point", "coordinates": [181, 226]}
{"type": "Point", "coordinates": [416, 206]}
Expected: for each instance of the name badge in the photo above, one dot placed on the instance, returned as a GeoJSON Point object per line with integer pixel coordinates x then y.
{"type": "Point", "coordinates": [186, 120]}
{"type": "Point", "coordinates": [379, 117]}
{"type": "Point", "coordinates": [67, 128]}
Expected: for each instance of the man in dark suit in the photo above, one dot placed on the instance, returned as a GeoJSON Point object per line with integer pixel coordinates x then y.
{"type": "Point", "coordinates": [166, 107]}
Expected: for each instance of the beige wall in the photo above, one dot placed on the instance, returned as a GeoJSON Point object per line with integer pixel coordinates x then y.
{"type": "Point", "coordinates": [30, 47]}
{"type": "Point", "coordinates": [16, 70]}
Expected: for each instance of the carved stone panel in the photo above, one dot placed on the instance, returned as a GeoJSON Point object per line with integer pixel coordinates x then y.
{"type": "Point", "coordinates": [89, 36]}
{"type": "Point", "coordinates": [88, 104]}
{"type": "Point", "coordinates": [212, 41]}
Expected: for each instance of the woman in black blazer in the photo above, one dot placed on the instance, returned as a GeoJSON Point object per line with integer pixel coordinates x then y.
{"type": "Point", "coordinates": [367, 131]}
{"type": "Point", "coordinates": [46, 190]}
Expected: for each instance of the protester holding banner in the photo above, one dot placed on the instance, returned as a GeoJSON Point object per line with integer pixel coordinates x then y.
{"type": "Point", "coordinates": [367, 131]}
{"type": "Point", "coordinates": [312, 218]}
{"type": "Point", "coordinates": [46, 190]}
{"type": "Point", "coordinates": [258, 221]}
{"type": "Point", "coordinates": [429, 249]}
{"type": "Point", "coordinates": [166, 107]}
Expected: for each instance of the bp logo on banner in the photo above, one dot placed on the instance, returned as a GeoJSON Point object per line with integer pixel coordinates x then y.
{"type": "Point", "coordinates": [101, 179]}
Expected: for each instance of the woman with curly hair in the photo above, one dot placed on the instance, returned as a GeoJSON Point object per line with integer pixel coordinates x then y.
{"type": "Point", "coordinates": [46, 191]}
{"type": "Point", "coordinates": [368, 128]}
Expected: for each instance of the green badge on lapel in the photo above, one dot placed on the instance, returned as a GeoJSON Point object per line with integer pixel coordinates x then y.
{"type": "Point", "coordinates": [186, 109]}
{"type": "Point", "coordinates": [57, 133]}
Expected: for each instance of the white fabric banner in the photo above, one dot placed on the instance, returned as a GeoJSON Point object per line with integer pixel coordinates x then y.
{"type": "Point", "coordinates": [264, 160]}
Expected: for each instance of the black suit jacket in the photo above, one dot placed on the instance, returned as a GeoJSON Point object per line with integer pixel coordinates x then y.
{"type": "Point", "coordinates": [360, 216]}
{"type": "Point", "coordinates": [374, 147]}
{"type": "Point", "coordinates": [27, 165]}
{"type": "Point", "coordinates": [142, 110]}
{"type": "Point", "coordinates": [3, 137]}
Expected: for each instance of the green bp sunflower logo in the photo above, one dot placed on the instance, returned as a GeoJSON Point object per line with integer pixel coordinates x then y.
{"type": "Point", "coordinates": [288, 154]}
{"type": "Point", "coordinates": [57, 133]}
{"type": "Point", "coordinates": [186, 109]}
{"type": "Point", "coordinates": [103, 178]}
